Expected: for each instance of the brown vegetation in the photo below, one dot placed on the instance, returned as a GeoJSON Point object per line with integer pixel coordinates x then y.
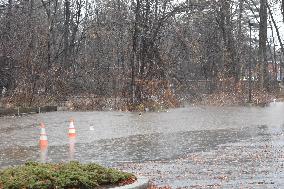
{"type": "Point", "coordinates": [144, 54]}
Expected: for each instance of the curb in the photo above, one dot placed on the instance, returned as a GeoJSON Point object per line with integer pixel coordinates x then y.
{"type": "Point", "coordinates": [141, 183]}
{"type": "Point", "coordinates": [28, 110]}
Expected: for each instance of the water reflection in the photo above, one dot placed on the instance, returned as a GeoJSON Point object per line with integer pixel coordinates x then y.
{"type": "Point", "coordinates": [151, 147]}
{"type": "Point", "coordinates": [221, 140]}
{"type": "Point", "coordinates": [158, 146]}
{"type": "Point", "coordinates": [72, 141]}
{"type": "Point", "coordinates": [43, 154]}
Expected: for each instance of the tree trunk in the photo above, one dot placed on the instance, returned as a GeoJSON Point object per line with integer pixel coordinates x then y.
{"type": "Point", "coordinates": [264, 80]}
{"type": "Point", "coordinates": [66, 33]}
{"type": "Point", "coordinates": [283, 9]}
{"type": "Point", "coordinates": [30, 65]}
{"type": "Point", "coordinates": [134, 50]}
{"type": "Point", "coordinates": [226, 25]}
{"type": "Point", "coordinates": [7, 30]}
{"type": "Point", "coordinates": [239, 41]}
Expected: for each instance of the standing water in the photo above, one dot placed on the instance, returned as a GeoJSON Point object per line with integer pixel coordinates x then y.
{"type": "Point", "coordinates": [193, 147]}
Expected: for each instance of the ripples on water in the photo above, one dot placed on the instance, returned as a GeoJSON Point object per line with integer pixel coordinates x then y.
{"type": "Point", "coordinates": [187, 147]}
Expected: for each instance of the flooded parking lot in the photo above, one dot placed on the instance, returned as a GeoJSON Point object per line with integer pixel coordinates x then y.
{"type": "Point", "coordinates": [191, 147]}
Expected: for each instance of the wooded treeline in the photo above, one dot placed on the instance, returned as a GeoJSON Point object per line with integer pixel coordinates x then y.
{"type": "Point", "coordinates": [136, 49]}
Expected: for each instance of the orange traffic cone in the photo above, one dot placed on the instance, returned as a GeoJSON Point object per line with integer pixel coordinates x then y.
{"type": "Point", "coordinates": [43, 143]}
{"type": "Point", "coordinates": [72, 130]}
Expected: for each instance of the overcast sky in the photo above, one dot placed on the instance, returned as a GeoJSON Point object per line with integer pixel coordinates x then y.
{"type": "Point", "coordinates": [279, 19]}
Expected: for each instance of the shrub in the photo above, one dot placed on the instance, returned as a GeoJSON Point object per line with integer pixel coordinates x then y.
{"type": "Point", "coordinates": [63, 175]}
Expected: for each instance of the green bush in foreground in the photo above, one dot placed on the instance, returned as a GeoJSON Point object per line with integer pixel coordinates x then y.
{"type": "Point", "coordinates": [62, 175]}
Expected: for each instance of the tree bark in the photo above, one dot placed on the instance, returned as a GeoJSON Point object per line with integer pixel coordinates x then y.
{"type": "Point", "coordinates": [283, 9]}
{"type": "Point", "coordinates": [239, 40]}
{"type": "Point", "coordinates": [66, 33]}
{"type": "Point", "coordinates": [230, 67]}
{"type": "Point", "coordinates": [264, 80]}
{"type": "Point", "coordinates": [7, 30]}
{"type": "Point", "coordinates": [134, 50]}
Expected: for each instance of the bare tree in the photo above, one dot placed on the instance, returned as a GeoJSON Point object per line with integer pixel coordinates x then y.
{"type": "Point", "coordinates": [264, 80]}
